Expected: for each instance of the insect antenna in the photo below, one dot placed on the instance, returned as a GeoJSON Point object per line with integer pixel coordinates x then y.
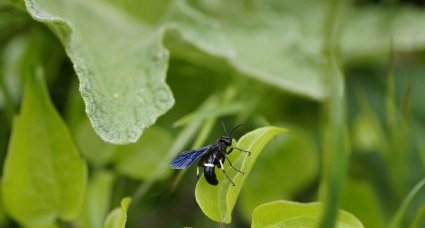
{"type": "Point", "coordinates": [224, 126]}
{"type": "Point", "coordinates": [230, 133]}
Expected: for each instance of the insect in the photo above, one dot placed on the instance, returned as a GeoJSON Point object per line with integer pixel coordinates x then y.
{"type": "Point", "coordinates": [209, 156]}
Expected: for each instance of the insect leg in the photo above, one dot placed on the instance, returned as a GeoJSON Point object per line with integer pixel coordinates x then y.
{"type": "Point", "coordinates": [231, 165]}
{"type": "Point", "coordinates": [222, 169]}
{"type": "Point", "coordinates": [249, 153]}
{"type": "Point", "coordinates": [230, 151]}
{"type": "Point", "coordinates": [197, 172]}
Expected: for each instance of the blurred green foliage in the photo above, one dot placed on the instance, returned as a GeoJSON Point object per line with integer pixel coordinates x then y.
{"type": "Point", "coordinates": [345, 77]}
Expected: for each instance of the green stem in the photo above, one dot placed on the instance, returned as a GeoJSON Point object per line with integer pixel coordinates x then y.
{"type": "Point", "coordinates": [335, 144]}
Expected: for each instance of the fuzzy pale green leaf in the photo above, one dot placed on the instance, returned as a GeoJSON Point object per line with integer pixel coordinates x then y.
{"type": "Point", "coordinates": [217, 202]}
{"type": "Point", "coordinates": [291, 214]}
{"type": "Point", "coordinates": [118, 217]}
{"type": "Point", "coordinates": [121, 75]}
{"type": "Point", "coordinates": [44, 178]}
{"type": "Point", "coordinates": [120, 60]}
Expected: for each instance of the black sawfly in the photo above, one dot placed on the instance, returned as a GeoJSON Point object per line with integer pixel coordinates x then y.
{"type": "Point", "coordinates": [209, 156]}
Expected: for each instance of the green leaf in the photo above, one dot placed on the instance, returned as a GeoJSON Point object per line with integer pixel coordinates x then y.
{"type": "Point", "coordinates": [97, 200]}
{"type": "Point", "coordinates": [217, 202]}
{"type": "Point", "coordinates": [263, 37]}
{"type": "Point", "coordinates": [118, 217]}
{"type": "Point", "coordinates": [140, 160]}
{"type": "Point", "coordinates": [44, 177]}
{"type": "Point", "coordinates": [291, 214]}
{"type": "Point", "coordinates": [121, 64]}
{"type": "Point", "coordinates": [292, 160]}
{"type": "Point", "coordinates": [120, 61]}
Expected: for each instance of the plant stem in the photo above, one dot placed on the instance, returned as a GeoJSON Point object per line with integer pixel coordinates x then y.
{"type": "Point", "coordinates": [335, 144]}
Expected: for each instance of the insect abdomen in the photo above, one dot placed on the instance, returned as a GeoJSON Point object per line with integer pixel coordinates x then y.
{"type": "Point", "coordinates": [209, 170]}
{"type": "Point", "coordinates": [210, 176]}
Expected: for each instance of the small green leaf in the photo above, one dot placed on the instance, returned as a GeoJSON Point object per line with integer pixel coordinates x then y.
{"type": "Point", "coordinates": [291, 214]}
{"type": "Point", "coordinates": [118, 216]}
{"type": "Point", "coordinates": [293, 160]}
{"type": "Point", "coordinates": [217, 202]}
{"type": "Point", "coordinates": [97, 200]}
{"type": "Point", "coordinates": [44, 177]}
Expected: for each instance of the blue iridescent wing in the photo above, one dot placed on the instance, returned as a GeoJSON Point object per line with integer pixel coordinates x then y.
{"type": "Point", "coordinates": [186, 158]}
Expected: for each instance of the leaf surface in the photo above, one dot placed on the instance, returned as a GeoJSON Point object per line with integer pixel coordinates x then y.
{"type": "Point", "coordinates": [120, 60]}
{"type": "Point", "coordinates": [291, 214]}
{"type": "Point", "coordinates": [118, 217]}
{"type": "Point", "coordinates": [289, 165]}
{"type": "Point", "coordinates": [43, 170]}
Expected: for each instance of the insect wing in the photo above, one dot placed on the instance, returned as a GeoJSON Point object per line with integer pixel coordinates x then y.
{"type": "Point", "coordinates": [185, 159]}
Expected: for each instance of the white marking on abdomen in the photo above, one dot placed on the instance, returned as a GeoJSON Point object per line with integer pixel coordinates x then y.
{"type": "Point", "coordinates": [208, 165]}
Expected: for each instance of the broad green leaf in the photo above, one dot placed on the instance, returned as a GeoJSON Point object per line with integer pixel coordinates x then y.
{"type": "Point", "coordinates": [118, 216]}
{"type": "Point", "coordinates": [140, 160]}
{"type": "Point", "coordinates": [281, 43]}
{"type": "Point", "coordinates": [217, 202]}
{"type": "Point", "coordinates": [263, 39]}
{"type": "Point", "coordinates": [97, 200]}
{"type": "Point", "coordinates": [121, 75]}
{"type": "Point", "coordinates": [44, 178]}
{"type": "Point", "coordinates": [288, 166]}
{"type": "Point", "coordinates": [291, 214]}
{"type": "Point", "coordinates": [120, 61]}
